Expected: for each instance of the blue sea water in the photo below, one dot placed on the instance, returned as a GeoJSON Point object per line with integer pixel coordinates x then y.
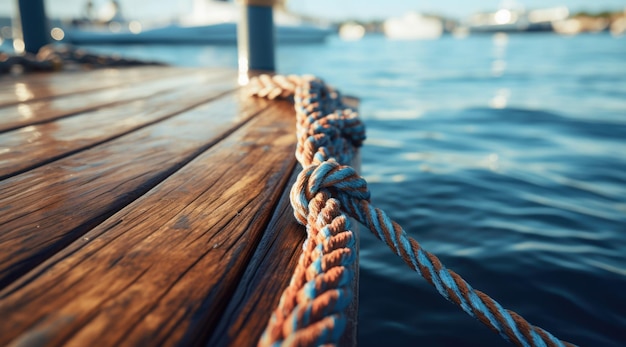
{"type": "Point", "coordinates": [503, 155]}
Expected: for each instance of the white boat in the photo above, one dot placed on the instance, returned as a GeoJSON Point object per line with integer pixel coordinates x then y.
{"type": "Point", "coordinates": [351, 32]}
{"type": "Point", "coordinates": [517, 20]}
{"type": "Point", "coordinates": [225, 33]}
{"type": "Point", "coordinates": [413, 26]}
{"type": "Point", "coordinates": [209, 23]}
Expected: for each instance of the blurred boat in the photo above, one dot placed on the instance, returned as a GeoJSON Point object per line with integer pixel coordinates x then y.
{"type": "Point", "coordinates": [413, 26]}
{"type": "Point", "coordinates": [225, 33]}
{"type": "Point", "coordinates": [210, 22]}
{"type": "Point", "coordinates": [351, 32]}
{"type": "Point", "coordinates": [517, 20]}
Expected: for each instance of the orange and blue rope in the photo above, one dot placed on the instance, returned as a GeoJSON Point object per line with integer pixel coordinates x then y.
{"type": "Point", "coordinates": [328, 135]}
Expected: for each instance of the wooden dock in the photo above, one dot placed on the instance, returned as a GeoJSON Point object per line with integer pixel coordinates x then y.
{"type": "Point", "coordinates": [141, 207]}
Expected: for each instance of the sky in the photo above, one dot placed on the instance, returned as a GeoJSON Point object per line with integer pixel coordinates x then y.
{"type": "Point", "coordinates": [328, 9]}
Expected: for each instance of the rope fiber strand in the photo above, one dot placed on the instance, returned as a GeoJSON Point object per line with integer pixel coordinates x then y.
{"type": "Point", "coordinates": [326, 192]}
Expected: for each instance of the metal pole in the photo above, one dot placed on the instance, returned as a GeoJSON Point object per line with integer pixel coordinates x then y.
{"type": "Point", "coordinates": [256, 36]}
{"type": "Point", "coordinates": [34, 25]}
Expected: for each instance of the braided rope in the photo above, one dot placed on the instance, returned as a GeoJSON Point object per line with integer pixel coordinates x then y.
{"type": "Point", "coordinates": [310, 311]}
{"type": "Point", "coordinates": [328, 135]}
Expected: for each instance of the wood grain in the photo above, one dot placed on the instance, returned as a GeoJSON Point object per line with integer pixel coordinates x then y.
{"type": "Point", "coordinates": [267, 276]}
{"type": "Point", "coordinates": [45, 110]}
{"type": "Point", "coordinates": [144, 206]}
{"type": "Point", "coordinates": [160, 271]}
{"type": "Point", "coordinates": [36, 145]}
{"type": "Point", "coordinates": [269, 273]}
{"type": "Point", "coordinates": [16, 89]}
{"type": "Point", "coordinates": [45, 209]}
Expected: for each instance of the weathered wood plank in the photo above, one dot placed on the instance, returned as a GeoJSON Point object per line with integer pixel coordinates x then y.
{"type": "Point", "coordinates": [269, 273]}
{"type": "Point", "coordinates": [36, 78]}
{"type": "Point", "coordinates": [45, 209]}
{"type": "Point", "coordinates": [36, 145]}
{"type": "Point", "coordinates": [267, 276]}
{"type": "Point", "coordinates": [40, 111]}
{"type": "Point", "coordinates": [160, 271]}
{"type": "Point", "coordinates": [16, 89]}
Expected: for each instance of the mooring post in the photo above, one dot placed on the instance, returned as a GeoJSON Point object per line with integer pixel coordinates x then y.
{"type": "Point", "coordinates": [34, 25]}
{"type": "Point", "coordinates": [256, 36]}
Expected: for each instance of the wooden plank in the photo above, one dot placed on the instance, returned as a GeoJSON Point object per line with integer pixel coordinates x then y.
{"type": "Point", "coordinates": [33, 146]}
{"type": "Point", "coordinates": [160, 271]}
{"type": "Point", "coordinates": [36, 78]}
{"type": "Point", "coordinates": [18, 89]}
{"type": "Point", "coordinates": [45, 209]}
{"type": "Point", "coordinates": [39, 79]}
{"type": "Point", "coordinates": [261, 286]}
{"type": "Point", "coordinates": [40, 111]}
{"type": "Point", "coordinates": [267, 276]}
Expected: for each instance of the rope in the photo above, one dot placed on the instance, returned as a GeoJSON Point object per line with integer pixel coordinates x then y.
{"type": "Point", "coordinates": [328, 135]}
{"type": "Point", "coordinates": [310, 311]}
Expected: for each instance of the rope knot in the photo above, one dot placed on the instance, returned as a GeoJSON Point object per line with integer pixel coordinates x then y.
{"type": "Point", "coordinates": [340, 181]}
